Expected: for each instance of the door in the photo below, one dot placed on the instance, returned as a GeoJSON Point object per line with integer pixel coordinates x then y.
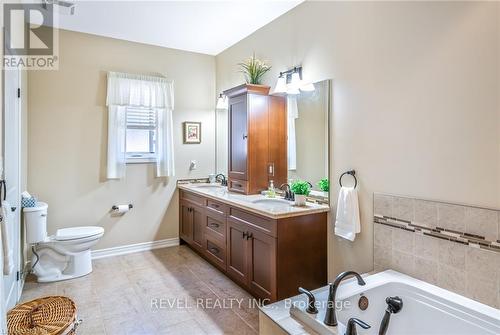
{"type": "Point", "coordinates": [12, 150]}
{"type": "Point", "coordinates": [237, 251]}
{"type": "Point", "coordinates": [198, 226]}
{"type": "Point", "coordinates": [186, 226]}
{"type": "Point", "coordinates": [262, 264]}
{"type": "Point", "coordinates": [238, 137]}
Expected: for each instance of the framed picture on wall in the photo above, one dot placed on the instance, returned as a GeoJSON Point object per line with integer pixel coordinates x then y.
{"type": "Point", "coordinates": [192, 132]}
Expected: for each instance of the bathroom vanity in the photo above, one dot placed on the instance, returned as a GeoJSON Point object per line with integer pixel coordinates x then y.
{"type": "Point", "coordinates": [257, 138]}
{"type": "Point", "coordinates": [267, 246]}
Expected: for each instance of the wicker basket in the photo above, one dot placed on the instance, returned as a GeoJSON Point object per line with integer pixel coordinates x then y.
{"type": "Point", "coordinates": [54, 315]}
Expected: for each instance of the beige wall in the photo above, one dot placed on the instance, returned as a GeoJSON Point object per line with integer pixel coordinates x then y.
{"type": "Point", "coordinates": [415, 98]}
{"type": "Point", "coordinates": [67, 137]}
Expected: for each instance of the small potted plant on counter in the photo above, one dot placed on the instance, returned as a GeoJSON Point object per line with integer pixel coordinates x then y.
{"type": "Point", "coordinates": [301, 189]}
{"type": "Point", "coordinates": [324, 185]}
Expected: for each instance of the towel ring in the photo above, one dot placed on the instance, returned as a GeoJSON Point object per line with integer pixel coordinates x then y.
{"type": "Point", "coordinates": [353, 174]}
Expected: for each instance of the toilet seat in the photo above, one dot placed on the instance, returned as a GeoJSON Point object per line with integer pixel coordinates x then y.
{"type": "Point", "coordinates": [76, 233]}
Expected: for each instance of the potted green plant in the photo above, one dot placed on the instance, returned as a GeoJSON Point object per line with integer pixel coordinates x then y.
{"type": "Point", "coordinates": [324, 185]}
{"type": "Point", "coordinates": [301, 190]}
{"type": "Point", "coordinates": [254, 69]}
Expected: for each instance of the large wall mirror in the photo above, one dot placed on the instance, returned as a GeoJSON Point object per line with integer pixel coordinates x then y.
{"type": "Point", "coordinates": [308, 137]}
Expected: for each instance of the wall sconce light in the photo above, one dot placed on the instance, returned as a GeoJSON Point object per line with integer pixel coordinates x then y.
{"type": "Point", "coordinates": [222, 102]}
{"type": "Point", "coordinates": [281, 84]}
{"type": "Point", "coordinates": [290, 82]}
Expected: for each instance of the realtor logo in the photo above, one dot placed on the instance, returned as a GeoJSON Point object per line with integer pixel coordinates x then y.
{"type": "Point", "coordinates": [30, 39]}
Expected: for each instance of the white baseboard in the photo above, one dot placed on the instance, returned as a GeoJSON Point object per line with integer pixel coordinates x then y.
{"type": "Point", "coordinates": [131, 248]}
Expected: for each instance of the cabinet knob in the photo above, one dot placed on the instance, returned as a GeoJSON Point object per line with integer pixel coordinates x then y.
{"type": "Point", "coordinates": [214, 250]}
{"type": "Point", "coordinates": [213, 224]}
{"type": "Point", "coordinates": [245, 136]}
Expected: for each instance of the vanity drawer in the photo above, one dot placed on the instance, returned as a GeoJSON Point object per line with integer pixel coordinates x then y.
{"type": "Point", "coordinates": [216, 227]}
{"type": "Point", "coordinates": [197, 199]}
{"type": "Point", "coordinates": [266, 225]}
{"type": "Point", "coordinates": [217, 207]}
{"type": "Point", "coordinates": [239, 186]}
{"type": "Point", "coordinates": [215, 252]}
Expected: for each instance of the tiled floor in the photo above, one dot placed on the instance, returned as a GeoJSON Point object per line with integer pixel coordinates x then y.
{"type": "Point", "coordinates": [164, 291]}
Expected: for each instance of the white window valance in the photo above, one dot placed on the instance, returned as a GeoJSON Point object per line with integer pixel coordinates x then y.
{"type": "Point", "coordinates": [126, 89]}
{"type": "Point", "coordinates": [131, 90]}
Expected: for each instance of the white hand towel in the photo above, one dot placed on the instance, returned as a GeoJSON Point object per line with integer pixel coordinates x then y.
{"type": "Point", "coordinates": [347, 223]}
{"type": "Point", "coordinates": [8, 262]}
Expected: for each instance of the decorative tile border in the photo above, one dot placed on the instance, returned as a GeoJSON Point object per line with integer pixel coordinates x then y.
{"type": "Point", "coordinates": [456, 247]}
{"type": "Point", "coordinates": [471, 240]}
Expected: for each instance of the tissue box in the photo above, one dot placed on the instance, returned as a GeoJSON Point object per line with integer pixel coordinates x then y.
{"type": "Point", "coordinates": [28, 202]}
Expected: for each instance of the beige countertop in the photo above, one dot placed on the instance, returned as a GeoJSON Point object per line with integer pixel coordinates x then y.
{"type": "Point", "coordinates": [255, 203]}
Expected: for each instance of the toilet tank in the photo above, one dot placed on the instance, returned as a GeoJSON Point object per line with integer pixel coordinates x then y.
{"type": "Point", "coordinates": [35, 220]}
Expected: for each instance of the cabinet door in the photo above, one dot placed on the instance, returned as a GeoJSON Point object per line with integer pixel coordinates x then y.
{"type": "Point", "coordinates": [186, 224]}
{"type": "Point", "coordinates": [237, 251]}
{"type": "Point", "coordinates": [238, 137]}
{"type": "Point", "coordinates": [198, 226]}
{"type": "Point", "coordinates": [262, 265]}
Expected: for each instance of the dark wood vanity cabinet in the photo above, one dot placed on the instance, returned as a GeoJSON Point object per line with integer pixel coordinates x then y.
{"type": "Point", "coordinates": [186, 222]}
{"type": "Point", "coordinates": [262, 264]}
{"type": "Point", "coordinates": [238, 137]}
{"type": "Point", "coordinates": [237, 252]}
{"type": "Point", "coordinates": [268, 257]}
{"type": "Point", "coordinates": [192, 227]}
{"type": "Point", "coordinates": [257, 139]}
{"type": "Point", "coordinates": [251, 259]}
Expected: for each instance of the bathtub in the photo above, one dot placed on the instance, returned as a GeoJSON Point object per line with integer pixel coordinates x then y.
{"type": "Point", "coordinates": [427, 309]}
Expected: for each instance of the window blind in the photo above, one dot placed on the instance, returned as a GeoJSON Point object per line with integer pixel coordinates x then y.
{"type": "Point", "coordinates": [141, 118]}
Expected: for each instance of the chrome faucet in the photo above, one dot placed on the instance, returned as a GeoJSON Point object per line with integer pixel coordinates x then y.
{"type": "Point", "coordinates": [288, 192]}
{"type": "Point", "coordinates": [330, 316]}
{"type": "Point", "coordinates": [223, 182]}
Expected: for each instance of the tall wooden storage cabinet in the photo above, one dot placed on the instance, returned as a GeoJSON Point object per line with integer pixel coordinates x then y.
{"type": "Point", "coordinates": [257, 139]}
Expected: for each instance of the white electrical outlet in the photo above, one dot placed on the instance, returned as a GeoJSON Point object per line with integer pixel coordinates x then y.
{"type": "Point", "coordinates": [193, 165]}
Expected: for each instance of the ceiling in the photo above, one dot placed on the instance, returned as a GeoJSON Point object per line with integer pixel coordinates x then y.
{"type": "Point", "coordinates": [207, 27]}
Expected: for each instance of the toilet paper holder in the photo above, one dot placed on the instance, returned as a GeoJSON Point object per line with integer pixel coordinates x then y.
{"type": "Point", "coordinates": [115, 207]}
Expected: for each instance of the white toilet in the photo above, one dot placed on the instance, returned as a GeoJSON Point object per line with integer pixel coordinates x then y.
{"type": "Point", "coordinates": [62, 256]}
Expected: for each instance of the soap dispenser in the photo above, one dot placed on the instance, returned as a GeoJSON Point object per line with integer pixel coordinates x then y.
{"type": "Point", "coordinates": [271, 192]}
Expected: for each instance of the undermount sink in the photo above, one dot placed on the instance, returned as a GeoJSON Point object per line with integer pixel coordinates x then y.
{"type": "Point", "coordinates": [272, 202]}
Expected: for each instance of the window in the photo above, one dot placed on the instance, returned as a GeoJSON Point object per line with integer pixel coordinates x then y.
{"type": "Point", "coordinates": [140, 140]}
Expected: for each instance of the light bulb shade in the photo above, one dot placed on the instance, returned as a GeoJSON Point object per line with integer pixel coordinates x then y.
{"type": "Point", "coordinates": [295, 82]}
{"type": "Point", "coordinates": [292, 90]}
{"type": "Point", "coordinates": [221, 102]}
{"type": "Point", "coordinates": [280, 85]}
{"type": "Point", "coordinates": [309, 87]}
